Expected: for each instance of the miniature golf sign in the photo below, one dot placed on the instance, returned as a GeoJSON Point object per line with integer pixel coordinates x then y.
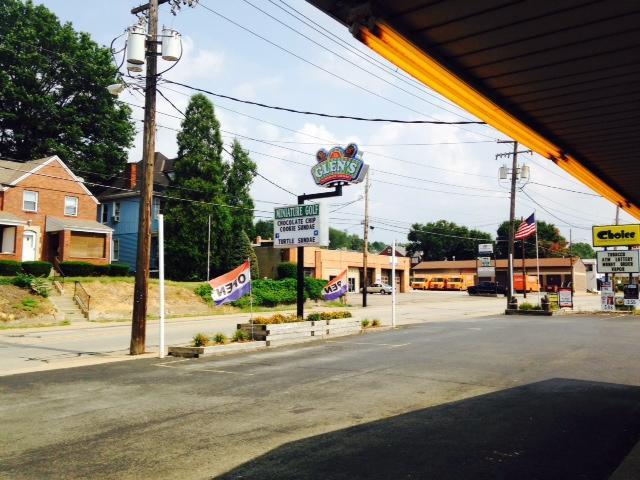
{"type": "Point", "coordinates": [339, 166]}
{"type": "Point", "coordinates": [300, 226]}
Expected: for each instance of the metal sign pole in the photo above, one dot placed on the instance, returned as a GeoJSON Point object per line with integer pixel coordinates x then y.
{"type": "Point", "coordinates": [393, 285]}
{"type": "Point", "coordinates": [161, 279]}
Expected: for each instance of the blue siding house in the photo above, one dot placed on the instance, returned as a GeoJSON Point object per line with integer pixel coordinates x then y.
{"type": "Point", "coordinates": [120, 210]}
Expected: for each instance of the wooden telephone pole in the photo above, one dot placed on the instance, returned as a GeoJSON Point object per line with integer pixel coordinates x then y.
{"type": "Point", "coordinates": [141, 288]}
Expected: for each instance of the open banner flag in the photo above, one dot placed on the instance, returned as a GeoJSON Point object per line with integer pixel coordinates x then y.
{"type": "Point", "coordinates": [231, 286]}
{"type": "Point", "coordinates": [336, 287]}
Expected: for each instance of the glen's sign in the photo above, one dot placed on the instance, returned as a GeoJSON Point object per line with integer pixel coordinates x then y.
{"type": "Point", "coordinates": [616, 235]}
{"type": "Point", "coordinates": [339, 166]}
{"type": "Point", "coordinates": [300, 226]}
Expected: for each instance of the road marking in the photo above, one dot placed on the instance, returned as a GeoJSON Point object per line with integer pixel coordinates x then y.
{"type": "Point", "coordinates": [169, 365]}
{"type": "Point", "coordinates": [370, 343]}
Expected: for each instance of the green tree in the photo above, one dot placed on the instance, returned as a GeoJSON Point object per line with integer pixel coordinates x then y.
{"type": "Point", "coordinates": [583, 250]}
{"type": "Point", "coordinates": [200, 175]}
{"type": "Point", "coordinates": [444, 240]}
{"type": "Point", "coordinates": [238, 192]}
{"type": "Point", "coordinates": [551, 243]}
{"type": "Point", "coordinates": [377, 246]}
{"type": "Point", "coordinates": [340, 240]}
{"type": "Point", "coordinates": [242, 251]}
{"type": "Point", "coordinates": [53, 94]}
{"type": "Point", "coordinates": [264, 228]}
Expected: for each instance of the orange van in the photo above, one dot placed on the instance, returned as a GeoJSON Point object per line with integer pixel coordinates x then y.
{"type": "Point", "coordinates": [459, 283]}
{"type": "Point", "coordinates": [437, 283]}
{"type": "Point", "coordinates": [531, 286]}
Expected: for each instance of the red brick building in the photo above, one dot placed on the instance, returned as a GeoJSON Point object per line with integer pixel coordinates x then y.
{"type": "Point", "coordinates": [47, 213]}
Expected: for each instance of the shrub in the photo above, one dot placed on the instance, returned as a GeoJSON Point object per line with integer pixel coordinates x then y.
{"type": "Point", "coordinates": [314, 317]}
{"type": "Point", "coordinates": [37, 269]}
{"type": "Point", "coordinates": [313, 287]}
{"type": "Point", "coordinates": [28, 304]}
{"type": "Point", "coordinates": [77, 269]}
{"type": "Point", "coordinates": [119, 270]}
{"type": "Point", "coordinates": [526, 306]}
{"type": "Point", "coordinates": [204, 291]}
{"type": "Point", "coordinates": [40, 286]}
{"type": "Point", "coordinates": [200, 340]}
{"type": "Point", "coordinates": [220, 338]}
{"type": "Point", "coordinates": [101, 270]}
{"type": "Point", "coordinates": [22, 280]}
{"type": "Point", "coordinates": [240, 336]}
{"type": "Point", "coordinates": [9, 268]}
{"type": "Point", "coordinates": [365, 323]}
{"type": "Point", "coordinates": [375, 323]}
{"type": "Point", "coordinates": [277, 318]}
{"type": "Point", "coordinates": [270, 293]}
{"type": "Point", "coordinates": [287, 270]}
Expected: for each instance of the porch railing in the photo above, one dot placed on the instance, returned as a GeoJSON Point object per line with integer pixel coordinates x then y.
{"type": "Point", "coordinates": [82, 298]}
{"type": "Point", "coordinates": [58, 276]}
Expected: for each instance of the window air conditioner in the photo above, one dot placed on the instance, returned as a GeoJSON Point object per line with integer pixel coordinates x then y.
{"type": "Point", "coordinates": [115, 218]}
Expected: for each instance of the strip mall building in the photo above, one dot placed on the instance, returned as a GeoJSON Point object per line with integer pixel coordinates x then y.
{"type": "Point", "coordinates": [327, 264]}
{"type": "Point", "coordinates": [553, 271]}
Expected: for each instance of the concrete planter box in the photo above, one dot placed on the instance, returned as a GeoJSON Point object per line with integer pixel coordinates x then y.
{"type": "Point", "coordinates": [212, 350]}
{"type": "Point", "coordinates": [535, 313]}
{"type": "Point", "coordinates": [295, 332]}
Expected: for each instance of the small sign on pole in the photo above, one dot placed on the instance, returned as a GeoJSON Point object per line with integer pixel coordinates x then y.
{"type": "Point", "coordinates": [300, 226]}
{"type": "Point", "coordinates": [565, 298]}
{"type": "Point", "coordinates": [485, 248]}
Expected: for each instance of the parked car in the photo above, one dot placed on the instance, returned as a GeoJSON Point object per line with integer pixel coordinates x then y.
{"type": "Point", "coordinates": [381, 288]}
{"type": "Point", "coordinates": [486, 288]}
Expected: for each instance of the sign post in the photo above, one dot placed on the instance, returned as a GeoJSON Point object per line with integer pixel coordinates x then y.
{"type": "Point", "coordinates": [393, 285]}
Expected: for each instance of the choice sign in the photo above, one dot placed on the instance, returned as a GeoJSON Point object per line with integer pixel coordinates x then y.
{"type": "Point", "coordinates": [618, 261]}
{"type": "Point", "coordinates": [300, 226]}
{"type": "Point", "coordinates": [616, 235]}
{"type": "Point", "coordinates": [339, 166]}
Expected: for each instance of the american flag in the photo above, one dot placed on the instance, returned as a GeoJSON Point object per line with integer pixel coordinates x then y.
{"type": "Point", "coordinates": [526, 228]}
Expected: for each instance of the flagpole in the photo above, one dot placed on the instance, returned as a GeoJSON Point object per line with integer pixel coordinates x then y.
{"type": "Point", "coordinates": [251, 300]}
{"type": "Point", "coordinates": [537, 261]}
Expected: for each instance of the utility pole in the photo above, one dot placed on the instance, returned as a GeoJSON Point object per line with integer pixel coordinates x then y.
{"type": "Point", "coordinates": [365, 248]}
{"type": "Point", "coordinates": [141, 288]}
{"type": "Point", "coordinates": [208, 248]}
{"type": "Point", "coordinates": [512, 213]}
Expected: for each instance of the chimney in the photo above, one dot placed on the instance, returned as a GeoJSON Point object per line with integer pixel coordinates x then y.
{"type": "Point", "coordinates": [132, 175]}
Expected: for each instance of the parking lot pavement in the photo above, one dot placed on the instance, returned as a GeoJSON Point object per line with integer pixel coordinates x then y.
{"type": "Point", "coordinates": [487, 398]}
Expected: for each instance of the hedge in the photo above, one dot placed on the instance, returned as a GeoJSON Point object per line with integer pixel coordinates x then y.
{"type": "Point", "coordinates": [119, 270]}
{"type": "Point", "coordinates": [315, 317]}
{"type": "Point", "coordinates": [77, 269]}
{"type": "Point", "coordinates": [37, 269]}
{"type": "Point", "coordinates": [287, 270]}
{"type": "Point", "coordinates": [9, 268]}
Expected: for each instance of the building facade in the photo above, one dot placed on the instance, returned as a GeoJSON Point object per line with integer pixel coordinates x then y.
{"type": "Point", "coordinates": [120, 209]}
{"type": "Point", "coordinates": [554, 272]}
{"type": "Point", "coordinates": [47, 213]}
{"type": "Point", "coordinates": [327, 264]}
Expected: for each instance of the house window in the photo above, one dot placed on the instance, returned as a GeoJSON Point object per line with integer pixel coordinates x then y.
{"type": "Point", "coordinates": [30, 201]}
{"type": "Point", "coordinates": [115, 249]}
{"type": "Point", "coordinates": [116, 212]}
{"type": "Point", "coordinates": [105, 213]}
{"type": "Point", "coordinates": [156, 207]}
{"type": "Point", "coordinates": [87, 245]}
{"type": "Point", "coordinates": [7, 239]}
{"type": "Point", "coordinates": [71, 206]}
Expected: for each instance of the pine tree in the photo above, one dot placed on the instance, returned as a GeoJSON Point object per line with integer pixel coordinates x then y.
{"type": "Point", "coordinates": [243, 251]}
{"type": "Point", "coordinates": [200, 176]}
{"type": "Point", "coordinates": [241, 175]}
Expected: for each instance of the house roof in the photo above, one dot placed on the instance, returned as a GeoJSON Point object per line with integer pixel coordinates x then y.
{"type": "Point", "coordinates": [11, 171]}
{"type": "Point", "coordinates": [8, 218]}
{"type": "Point", "coordinates": [500, 263]}
{"type": "Point", "coordinates": [55, 224]}
{"type": "Point", "coordinates": [162, 167]}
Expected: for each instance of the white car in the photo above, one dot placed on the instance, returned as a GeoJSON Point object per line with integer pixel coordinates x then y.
{"type": "Point", "coordinates": [381, 288]}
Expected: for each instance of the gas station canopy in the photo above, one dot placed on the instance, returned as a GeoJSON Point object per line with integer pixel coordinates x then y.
{"type": "Point", "coordinates": [561, 77]}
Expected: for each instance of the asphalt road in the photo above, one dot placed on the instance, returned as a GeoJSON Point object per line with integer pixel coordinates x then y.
{"type": "Point", "coordinates": [46, 348]}
{"type": "Point", "coordinates": [488, 398]}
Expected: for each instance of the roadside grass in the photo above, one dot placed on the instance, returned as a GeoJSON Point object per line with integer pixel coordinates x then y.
{"type": "Point", "coordinates": [63, 323]}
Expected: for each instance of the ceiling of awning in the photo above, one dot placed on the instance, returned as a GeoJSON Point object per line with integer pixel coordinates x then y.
{"type": "Point", "coordinates": [567, 70]}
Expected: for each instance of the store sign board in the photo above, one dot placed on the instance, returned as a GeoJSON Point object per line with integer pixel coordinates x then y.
{"type": "Point", "coordinates": [339, 166]}
{"type": "Point", "coordinates": [300, 226]}
{"type": "Point", "coordinates": [616, 235]}
{"type": "Point", "coordinates": [486, 271]}
{"type": "Point", "coordinates": [565, 298]}
{"type": "Point", "coordinates": [607, 302]}
{"type": "Point", "coordinates": [618, 261]}
{"type": "Point", "coordinates": [484, 261]}
{"type": "Point", "coordinates": [485, 248]}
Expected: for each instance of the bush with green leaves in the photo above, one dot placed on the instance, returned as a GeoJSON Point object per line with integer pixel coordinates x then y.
{"type": "Point", "coordinates": [287, 270]}
{"type": "Point", "coordinates": [204, 291]}
{"type": "Point", "coordinates": [528, 306]}
{"type": "Point", "coordinates": [22, 280]}
{"type": "Point", "coordinates": [119, 270]}
{"type": "Point", "coordinates": [37, 268]}
{"type": "Point", "coordinates": [220, 338]}
{"type": "Point", "coordinates": [317, 316]}
{"type": "Point", "coordinates": [9, 268]}
{"type": "Point", "coordinates": [365, 323]}
{"type": "Point", "coordinates": [101, 270]}
{"type": "Point", "coordinates": [77, 269]}
{"type": "Point", "coordinates": [240, 336]}
{"type": "Point", "coordinates": [314, 286]}
{"type": "Point", "coordinates": [200, 340]}
{"type": "Point", "coordinates": [277, 318]}
{"type": "Point", "coordinates": [40, 286]}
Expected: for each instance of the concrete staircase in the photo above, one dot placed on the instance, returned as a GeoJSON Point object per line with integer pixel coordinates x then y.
{"type": "Point", "coordinates": [65, 304]}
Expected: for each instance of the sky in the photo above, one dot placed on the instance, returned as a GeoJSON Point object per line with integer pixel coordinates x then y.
{"type": "Point", "coordinates": [259, 50]}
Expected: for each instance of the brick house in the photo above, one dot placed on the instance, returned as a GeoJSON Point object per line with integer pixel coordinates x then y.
{"type": "Point", "coordinates": [47, 213]}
